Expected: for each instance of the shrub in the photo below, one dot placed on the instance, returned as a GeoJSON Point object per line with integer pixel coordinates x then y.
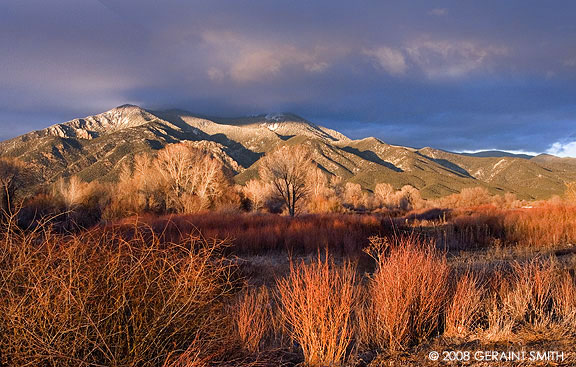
{"type": "Point", "coordinates": [261, 233]}
{"type": "Point", "coordinates": [317, 301]}
{"type": "Point", "coordinates": [541, 226]}
{"type": "Point", "coordinates": [100, 299]}
{"type": "Point", "coordinates": [531, 300]}
{"type": "Point", "coordinates": [408, 292]}
{"type": "Point", "coordinates": [253, 318]}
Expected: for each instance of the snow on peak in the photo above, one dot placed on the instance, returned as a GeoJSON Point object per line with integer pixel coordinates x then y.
{"type": "Point", "coordinates": [277, 117]}
{"type": "Point", "coordinates": [273, 127]}
{"type": "Point", "coordinates": [90, 127]}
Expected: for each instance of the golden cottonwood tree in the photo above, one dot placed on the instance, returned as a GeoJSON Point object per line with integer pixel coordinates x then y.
{"type": "Point", "coordinates": [72, 191]}
{"type": "Point", "coordinates": [353, 194]}
{"type": "Point", "coordinates": [140, 188]}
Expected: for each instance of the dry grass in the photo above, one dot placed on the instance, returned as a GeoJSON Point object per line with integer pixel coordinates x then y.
{"type": "Point", "coordinates": [317, 301]}
{"type": "Point", "coordinates": [98, 299]}
{"type": "Point", "coordinates": [500, 322]}
{"type": "Point", "coordinates": [532, 298]}
{"type": "Point", "coordinates": [463, 312]}
{"type": "Point", "coordinates": [565, 301]}
{"type": "Point", "coordinates": [535, 301]}
{"type": "Point", "coordinates": [407, 292]}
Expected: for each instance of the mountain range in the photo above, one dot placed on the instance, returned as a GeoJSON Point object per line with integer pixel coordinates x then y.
{"type": "Point", "coordinates": [96, 147]}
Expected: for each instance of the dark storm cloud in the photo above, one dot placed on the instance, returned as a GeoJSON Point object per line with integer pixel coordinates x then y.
{"type": "Point", "coordinates": [455, 75]}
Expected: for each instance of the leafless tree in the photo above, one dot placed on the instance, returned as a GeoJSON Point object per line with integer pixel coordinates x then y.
{"type": "Point", "coordinates": [140, 188]}
{"type": "Point", "coordinates": [71, 191]}
{"type": "Point", "coordinates": [147, 181]}
{"type": "Point", "coordinates": [409, 198]}
{"type": "Point", "coordinates": [12, 179]}
{"type": "Point", "coordinates": [194, 178]}
{"type": "Point", "coordinates": [323, 197]}
{"type": "Point", "coordinates": [318, 182]}
{"type": "Point", "coordinates": [353, 194]}
{"type": "Point", "coordinates": [383, 192]}
{"type": "Point", "coordinates": [287, 169]}
{"type": "Point", "coordinates": [257, 192]}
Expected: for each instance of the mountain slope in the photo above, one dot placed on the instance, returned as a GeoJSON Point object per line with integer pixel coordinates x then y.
{"type": "Point", "coordinates": [497, 154]}
{"type": "Point", "coordinates": [510, 174]}
{"type": "Point", "coordinates": [96, 147]}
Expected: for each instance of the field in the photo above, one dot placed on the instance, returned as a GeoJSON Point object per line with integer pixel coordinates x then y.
{"type": "Point", "coordinates": [261, 289]}
{"type": "Point", "coordinates": [176, 265]}
{"type": "Point", "coordinates": [287, 183]}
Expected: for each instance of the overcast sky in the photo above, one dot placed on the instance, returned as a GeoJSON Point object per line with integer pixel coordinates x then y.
{"type": "Point", "coordinates": [457, 75]}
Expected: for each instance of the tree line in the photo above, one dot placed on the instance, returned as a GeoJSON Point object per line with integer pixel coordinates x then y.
{"type": "Point", "coordinates": [183, 178]}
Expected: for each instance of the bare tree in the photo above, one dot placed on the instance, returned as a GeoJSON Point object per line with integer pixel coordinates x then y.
{"type": "Point", "coordinates": [194, 178]}
{"type": "Point", "coordinates": [321, 197]}
{"type": "Point", "coordinates": [409, 198]}
{"type": "Point", "coordinates": [146, 181]}
{"type": "Point", "coordinates": [287, 169]}
{"type": "Point", "coordinates": [140, 188]}
{"type": "Point", "coordinates": [71, 191]}
{"type": "Point", "coordinates": [353, 195]}
{"type": "Point", "coordinates": [383, 193]}
{"type": "Point", "coordinates": [318, 183]}
{"type": "Point", "coordinates": [11, 181]}
{"type": "Point", "coordinates": [257, 192]}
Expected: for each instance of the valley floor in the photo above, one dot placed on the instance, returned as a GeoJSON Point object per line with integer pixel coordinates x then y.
{"type": "Point", "coordinates": [266, 290]}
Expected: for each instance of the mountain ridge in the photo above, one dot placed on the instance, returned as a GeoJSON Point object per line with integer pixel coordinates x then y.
{"type": "Point", "coordinates": [95, 148]}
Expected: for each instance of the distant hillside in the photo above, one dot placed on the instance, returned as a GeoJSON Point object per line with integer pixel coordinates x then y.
{"type": "Point", "coordinates": [96, 147]}
{"type": "Point", "coordinates": [497, 154]}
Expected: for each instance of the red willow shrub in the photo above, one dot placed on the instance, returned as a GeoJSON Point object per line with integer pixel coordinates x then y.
{"type": "Point", "coordinates": [317, 304]}
{"type": "Point", "coordinates": [542, 226]}
{"type": "Point", "coordinates": [406, 295]}
{"type": "Point", "coordinates": [99, 299]}
{"type": "Point", "coordinates": [342, 234]}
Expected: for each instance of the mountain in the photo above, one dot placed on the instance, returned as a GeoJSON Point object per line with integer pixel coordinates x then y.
{"type": "Point", "coordinates": [526, 177]}
{"type": "Point", "coordinates": [498, 154]}
{"type": "Point", "coordinates": [555, 163]}
{"type": "Point", "coordinates": [96, 148]}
